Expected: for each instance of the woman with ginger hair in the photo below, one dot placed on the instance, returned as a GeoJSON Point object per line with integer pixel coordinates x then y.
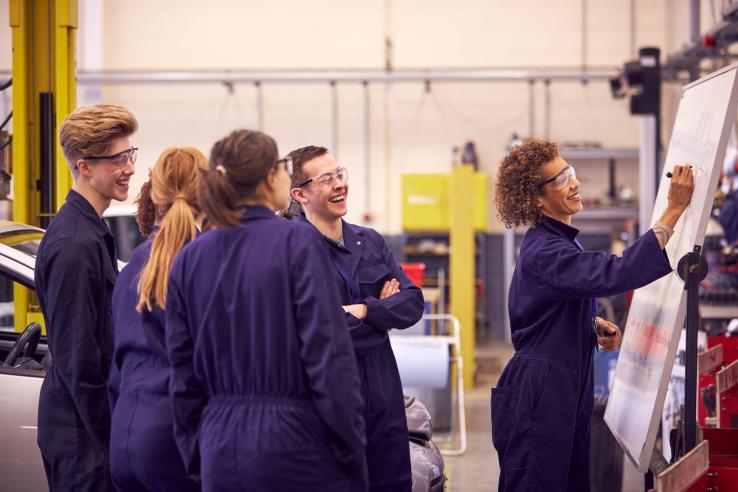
{"type": "Point", "coordinates": [143, 453]}
{"type": "Point", "coordinates": [542, 405]}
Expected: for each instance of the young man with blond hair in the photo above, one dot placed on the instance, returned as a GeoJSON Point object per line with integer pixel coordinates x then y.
{"type": "Point", "coordinates": [76, 269]}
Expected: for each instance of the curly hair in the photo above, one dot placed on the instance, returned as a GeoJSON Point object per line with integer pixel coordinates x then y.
{"type": "Point", "coordinates": [145, 209]}
{"type": "Point", "coordinates": [518, 178]}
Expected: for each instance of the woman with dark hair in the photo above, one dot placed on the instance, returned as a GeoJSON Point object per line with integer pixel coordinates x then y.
{"type": "Point", "coordinates": [143, 455]}
{"type": "Point", "coordinates": [542, 405]}
{"type": "Point", "coordinates": [264, 382]}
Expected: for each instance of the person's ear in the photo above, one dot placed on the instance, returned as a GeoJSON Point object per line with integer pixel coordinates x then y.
{"type": "Point", "coordinates": [271, 180]}
{"type": "Point", "coordinates": [298, 194]}
{"type": "Point", "coordinates": [84, 168]}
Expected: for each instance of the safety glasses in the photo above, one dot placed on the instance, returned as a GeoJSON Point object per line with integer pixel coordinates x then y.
{"type": "Point", "coordinates": [120, 159]}
{"type": "Point", "coordinates": [288, 165]}
{"type": "Point", "coordinates": [327, 179]}
{"type": "Point", "coordinates": [562, 179]}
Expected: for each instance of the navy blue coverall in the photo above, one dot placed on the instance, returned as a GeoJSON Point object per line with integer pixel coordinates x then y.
{"type": "Point", "coordinates": [363, 265]}
{"type": "Point", "coordinates": [542, 405]}
{"type": "Point", "coordinates": [76, 268]}
{"type": "Point", "coordinates": [728, 217]}
{"type": "Point", "coordinates": [264, 384]}
{"type": "Point", "coordinates": [143, 454]}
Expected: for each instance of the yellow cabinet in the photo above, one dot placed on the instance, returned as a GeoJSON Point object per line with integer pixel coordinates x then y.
{"type": "Point", "coordinates": [426, 202]}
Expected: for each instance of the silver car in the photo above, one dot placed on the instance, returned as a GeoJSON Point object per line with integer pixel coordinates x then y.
{"type": "Point", "coordinates": [22, 369]}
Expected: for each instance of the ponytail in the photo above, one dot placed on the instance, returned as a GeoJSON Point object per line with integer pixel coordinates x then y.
{"type": "Point", "coordinates": [218, 198]}
{"type": "Point", "coordinates": [238, 164]}
{"type": "Point", "coordinates": [177, 229]}
{"type": "Point", "coordinates": [173, 187]}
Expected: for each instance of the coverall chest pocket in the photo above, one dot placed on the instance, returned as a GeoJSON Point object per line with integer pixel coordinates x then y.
{"type": "Point", "coordinates": [372, 277]}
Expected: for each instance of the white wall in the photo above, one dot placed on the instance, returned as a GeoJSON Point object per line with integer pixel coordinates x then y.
{"type": "Point", "coordinates": [411, 130]}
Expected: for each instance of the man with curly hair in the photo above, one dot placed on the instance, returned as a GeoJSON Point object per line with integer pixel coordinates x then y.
{"type": "Point", "coordinates": [542, 405]}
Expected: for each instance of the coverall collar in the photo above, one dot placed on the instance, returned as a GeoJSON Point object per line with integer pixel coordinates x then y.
{"type": "Point", "coordinates": [353, 241]}
{"type": "Point", "coordinates": [85, 208]}
{"type": "Point", "coordinates": [256, 212]}
{"type": "Point", "coordinates": [559, 227]}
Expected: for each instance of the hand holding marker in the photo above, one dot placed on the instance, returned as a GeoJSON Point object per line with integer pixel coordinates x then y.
{"type": "Point", "coordinates": [669, 175]}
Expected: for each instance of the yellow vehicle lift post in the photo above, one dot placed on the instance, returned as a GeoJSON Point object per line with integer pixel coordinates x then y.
{"type": "Point", "coordinates": [462, 288]}
{"type": "Point", "coordinates": [43, 62]}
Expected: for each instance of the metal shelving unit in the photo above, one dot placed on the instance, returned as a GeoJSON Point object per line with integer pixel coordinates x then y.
{"type": "Point", "coordinates": [718, 311]}
{"type": "Point", "coordinates": [595, 153]}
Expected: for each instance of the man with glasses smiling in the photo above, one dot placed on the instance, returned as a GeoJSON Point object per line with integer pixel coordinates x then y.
{"type": "Point", "coordinates": [377, 296]}
{"type": "Point", "coordinates": [76, 269]}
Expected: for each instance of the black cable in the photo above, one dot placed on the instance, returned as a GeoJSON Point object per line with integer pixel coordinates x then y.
{"type": "Point", "coordinates": [5, 85]}
{"type": "Point", "coordinates": [5, 121]}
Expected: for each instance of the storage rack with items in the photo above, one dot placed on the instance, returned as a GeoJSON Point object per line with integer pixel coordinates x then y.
{"type": "Point", "coordinates": [608, 203]}
{"type": "Point", "coordinates": [433, 250]}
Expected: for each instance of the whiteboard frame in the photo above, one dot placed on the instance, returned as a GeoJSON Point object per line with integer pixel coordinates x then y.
{"type": "Point", "coordinates": [642, 462]}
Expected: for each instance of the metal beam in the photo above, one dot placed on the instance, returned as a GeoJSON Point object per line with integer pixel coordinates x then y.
{"type": "Point", "coordinates": [462, 285]}
{"type": "Point", "coordinates": [531, 108]}
{"type": "Point", "coordinates": [694, 21]}
{"type": "Point", "coordinates": [584, 35]}
{"type": "Point", "coordinates": [647, 172]}
{"type": "Point", "coordinates": [367, 149]}
{"type": "Point", "coordinates": [294, 77]}
{"type": "Point", "coordinates": [547, 109]}
{"type": "Point", "coordinates": [43, 61]}
{"type": "Point", "coordinates": [43, 33]}
{"type": "Point", "coordinates": [259, 106]}
{"type": "Point", "coordinates": [64, 85]}
{"type": "Point", "coordinates": [334, 120]}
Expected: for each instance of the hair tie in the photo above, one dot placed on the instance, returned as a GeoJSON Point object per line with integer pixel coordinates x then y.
{"type": "Point", "coordinates": [180, 196]}
{"type": "Point", "coordinates": [220, 169]}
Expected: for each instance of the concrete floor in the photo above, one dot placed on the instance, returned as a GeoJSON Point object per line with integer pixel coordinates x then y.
{"type": "Point", "coordinates": [478, 470]}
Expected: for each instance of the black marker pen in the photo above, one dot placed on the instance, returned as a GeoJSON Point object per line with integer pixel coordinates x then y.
{"type": "Point", "coordinates": [669, 175]}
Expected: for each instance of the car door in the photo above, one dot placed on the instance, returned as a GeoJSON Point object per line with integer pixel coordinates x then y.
{"type": "Point", "coordinates": [21, 466]}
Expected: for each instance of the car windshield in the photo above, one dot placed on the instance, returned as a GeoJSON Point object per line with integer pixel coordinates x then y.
{"type": "Point", "coordinates": [28, 246]}
{"type": "Point", "coordinates": [24, 240]}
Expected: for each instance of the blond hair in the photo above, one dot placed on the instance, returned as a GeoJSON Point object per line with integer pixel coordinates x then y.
{"type": "Point", "coordinates": [90, 130]}
{"type": "Point", "coordinates": [173, 191]}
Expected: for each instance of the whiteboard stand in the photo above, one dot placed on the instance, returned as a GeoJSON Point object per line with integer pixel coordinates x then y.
{"type": "Point", "coordinates": [692, 268]}
{"type": "Point", "coordinates": [704, 120]}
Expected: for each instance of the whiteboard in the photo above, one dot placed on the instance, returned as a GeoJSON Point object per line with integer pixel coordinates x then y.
{"type": "Point", "coordinates": [707, 110]}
